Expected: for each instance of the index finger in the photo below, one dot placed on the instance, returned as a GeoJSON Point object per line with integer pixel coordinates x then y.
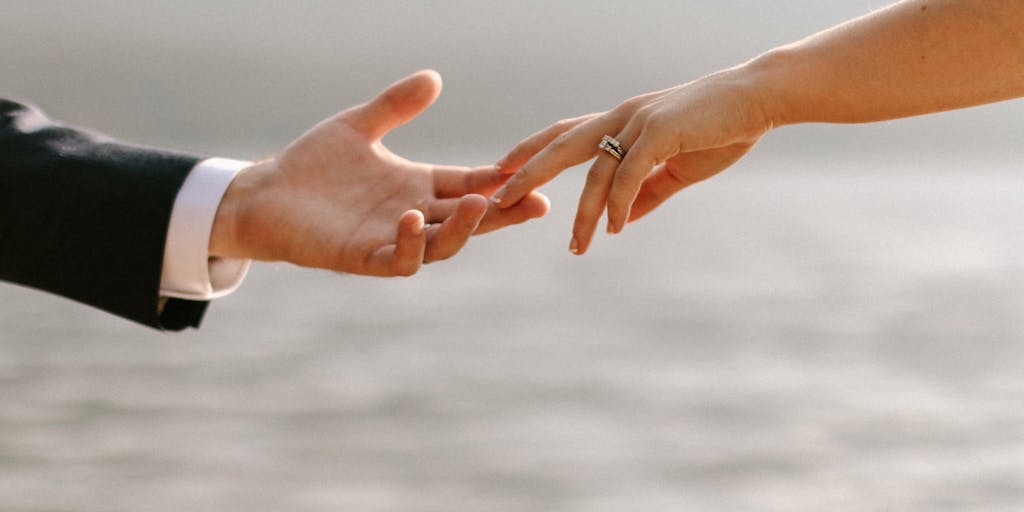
{"type": "Point", "coordinates": [571, 148]}
{"type": "Point", "coordinates": [529, 146]}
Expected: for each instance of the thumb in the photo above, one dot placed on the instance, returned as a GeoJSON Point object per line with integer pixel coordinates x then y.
{"type": "Point", "coordinates": [398, 104]}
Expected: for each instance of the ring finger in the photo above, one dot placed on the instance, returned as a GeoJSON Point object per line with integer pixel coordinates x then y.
{"type": "Point", "coordinates": [594, 197]}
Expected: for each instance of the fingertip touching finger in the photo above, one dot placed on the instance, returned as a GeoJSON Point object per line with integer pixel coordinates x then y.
{"type": "Point", "coordinates": [533, 206]}
{"type": "Point", "coordinates": [529, 146]}
{"type": "Point", "coordinates": [572, 147]}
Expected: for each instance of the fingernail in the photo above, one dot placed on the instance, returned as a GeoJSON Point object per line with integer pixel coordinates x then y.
{"type": "Point", "coordinates": [496, 198]}
{"type": "Point", "coordinates": [574, 246]}
{"type": "Point", "coordinates": [501, 163]}
{"type": "Point", "coordinates": [612, 229]}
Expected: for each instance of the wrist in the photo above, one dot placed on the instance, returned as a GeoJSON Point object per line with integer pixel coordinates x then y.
{"type": "Point", "coordinates": [771, 89]}
{"type": "Point", "coordinates": [228, 236]}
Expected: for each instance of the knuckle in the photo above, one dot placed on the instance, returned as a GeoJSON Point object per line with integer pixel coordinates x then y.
{"type": "Point", "coordinates": [635, 104]}
{"type": "Point", "coordinates": [563, 124]}
{"type": "Point", "coordinates": [645, 112]}
{"type": "Point", "coordinates": [630, 105]}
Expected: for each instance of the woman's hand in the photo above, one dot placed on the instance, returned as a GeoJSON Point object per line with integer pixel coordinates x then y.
{"type": "Point", "coordinates": [673, 139]}
{"type": "Point", "coordinates": [914, 57]}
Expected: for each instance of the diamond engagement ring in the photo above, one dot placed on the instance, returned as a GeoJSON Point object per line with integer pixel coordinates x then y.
{"type": "Point", "coordinates": [612, 147]}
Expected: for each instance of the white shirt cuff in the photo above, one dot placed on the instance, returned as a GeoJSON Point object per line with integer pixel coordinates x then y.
{"type": "Point", "coordinates": [188, 271]}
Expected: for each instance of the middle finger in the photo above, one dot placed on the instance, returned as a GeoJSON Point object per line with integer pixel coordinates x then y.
{"type": "Point", "coordinates": [594, 197]}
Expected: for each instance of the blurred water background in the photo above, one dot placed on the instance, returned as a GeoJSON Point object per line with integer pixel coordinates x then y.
{"type": "Point", "coordinates": [834, 324]}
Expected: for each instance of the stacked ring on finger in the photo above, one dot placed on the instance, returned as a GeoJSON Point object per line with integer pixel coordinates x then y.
{"type": "Point", "coordinates": [612, 147]}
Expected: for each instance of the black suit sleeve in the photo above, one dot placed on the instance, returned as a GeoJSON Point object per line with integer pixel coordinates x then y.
{"type": "Point", "coordinates": [85, 216]}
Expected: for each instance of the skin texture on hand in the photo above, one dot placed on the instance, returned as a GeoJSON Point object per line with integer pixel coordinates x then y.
{"type": "Point", "coordinates": [915, 57]}
{"type": "Point", "coordinates": [723, 122]}
{"type": "Point", "coordinates": [337, 198]}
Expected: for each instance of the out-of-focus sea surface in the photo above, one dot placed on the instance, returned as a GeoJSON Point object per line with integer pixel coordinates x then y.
{"type": "Point", "coordinates": [835, 324]}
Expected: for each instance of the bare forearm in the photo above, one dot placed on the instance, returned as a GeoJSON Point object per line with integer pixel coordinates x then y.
{"type": "Point", "coordinates": [916, 57]}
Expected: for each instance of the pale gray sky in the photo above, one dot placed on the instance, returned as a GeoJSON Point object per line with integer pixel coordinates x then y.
{"type": "Point", "coordinates": [246, 77]}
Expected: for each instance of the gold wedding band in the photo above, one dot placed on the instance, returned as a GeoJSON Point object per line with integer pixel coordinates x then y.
{"type": "Point", "coordinates": [612, 147]}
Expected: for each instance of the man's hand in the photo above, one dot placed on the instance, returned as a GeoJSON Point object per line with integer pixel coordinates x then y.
{"type": "Point", "coordinates": [336, 198]}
